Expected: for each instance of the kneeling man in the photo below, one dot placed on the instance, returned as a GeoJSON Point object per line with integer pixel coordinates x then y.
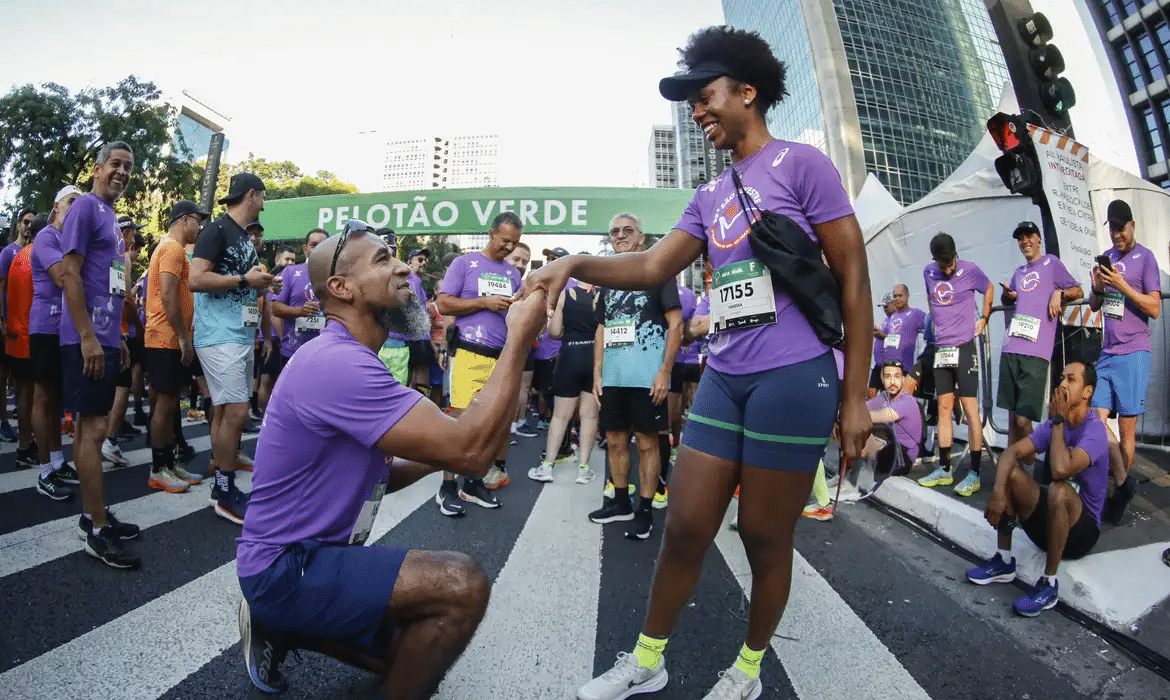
{"type": "Point", "coordinates": [339, 433]}
{"type": "Point", "coordinates": [1063, 519]}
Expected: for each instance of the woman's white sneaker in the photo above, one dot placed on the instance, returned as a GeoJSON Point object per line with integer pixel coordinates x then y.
{"type": "Point", "coordinates": [626, 678]}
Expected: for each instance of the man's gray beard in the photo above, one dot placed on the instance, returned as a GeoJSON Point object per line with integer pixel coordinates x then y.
{"type": "Point", "coordinates": [409, 320]}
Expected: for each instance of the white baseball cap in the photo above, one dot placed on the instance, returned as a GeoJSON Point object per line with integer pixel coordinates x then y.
{"type": "Point", "coordinates": [65, 192]}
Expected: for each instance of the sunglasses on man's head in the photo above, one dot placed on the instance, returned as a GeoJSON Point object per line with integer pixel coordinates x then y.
{"type": "Point", "coordinates": [352, 227]}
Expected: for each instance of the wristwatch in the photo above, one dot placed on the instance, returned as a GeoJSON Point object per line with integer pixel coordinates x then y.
{"type": "Point", "coordinates": [243, 282]}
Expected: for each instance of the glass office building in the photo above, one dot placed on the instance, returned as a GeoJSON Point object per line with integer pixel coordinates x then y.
{"type": "Point", "coordinates": [899, 88]}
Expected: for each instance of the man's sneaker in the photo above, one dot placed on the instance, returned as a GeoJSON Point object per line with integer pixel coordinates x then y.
{"type": "Point", "coordinates": [496, 478]}
{"type": "Point", "coordinates": [123, 531]}
{"type": "Point", "coordinates": [141, 418]}
{"type": "Point", "coordinates": [661, 499]}
{"type": "Point", "coordinates": [475, 491]}
{"type": "Point", "coordinates": [734, 684]}
{"type": "Point", "coordinates": [1116, 504]}
{"type": "Point", "coordinates": [166, 480]}
{"type": "Point", "coordinates": [186, 476]}
{"type": "Point", "coordinates": [608, 491]}
{"type": "Point", "coordinates": [818, 512]}
{"type": "Point", "coordinates": [128, 431]}
{"type": "Point", "coordinates": [585, 475]}
{"type": "Point", "coordinates": [848, 493]}
{"type": "Point", "coordinates": [541, 472]}
{"type": "Point", "coordinates": [448, 500]}
{"type": "Point", "coordinates": [196, 414]}
{"type": "Point", "coordinates": [184, 453]}
{"type": "Point", "coordinates": [524, 431]}
{"type": "Point", "coordinates": [969, 486]}
{"type": "Point", "coordinates": [67, 474]}
{"type": "Point", "coordinates": [252, 426]}
{"type": "Point", "coordinates": [642, 526]}
{"type": "Point", "coordinates": [6, 432]}
{"type": "Point", "coordinates": [996, 570]}
{"type": "Point", "coordinates": [54, 488]}
{"type": "Point", "coordinates": [734, 524]}
{"type": "Point", "coordinates": [264, 650]}
{"type": "Point", "coordinates": [1044, 595]}
{"type": "Point", "coordinates": [108, 547]}
{"type": "Point", "coordinates": [938, 477]}
{"type": "Point", "coordinates": [231, 504]}
{"type": "Point", "coordinates": [626, 678]}
{"type": "Point", "coordinates": [114, 456]}
{"type": "Point", "coordinates": [542, 424]}
{"type": "Point", "coordinates": [27, 457]}
{"type": "Point", "coordinates": [613, 510]}
{"type": "Point", "coordinates": [244, 463]}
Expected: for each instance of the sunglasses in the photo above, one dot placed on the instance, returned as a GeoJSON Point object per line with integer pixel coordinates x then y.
{"type": "Point", "coordinates": [352, 227]}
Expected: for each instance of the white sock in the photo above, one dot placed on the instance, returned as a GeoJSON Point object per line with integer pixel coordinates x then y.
{"type": "Point", "coordinates": [1005, 554]}
{"type": "Point", "coordinates": [46, 470]}
{"type": "Point", "coordinates": [108, 446]}
{"type": "Point", "coordinates": [57, 459]}
{"type": "Point", "coordinates": [1051, 579]}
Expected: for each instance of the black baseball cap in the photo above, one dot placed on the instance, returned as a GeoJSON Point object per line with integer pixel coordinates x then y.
{"type": "Point", "coordinates": [1119, 213]}
{"type": "Point", "coordinates": [240, 184]}
{"type": "Point", "coordinates": [1025, 228]}
{"type": "Point", "coordinates": [125, 222]}
{"type": "Point", "coordinates": [679, 86]}
{"type": "Point", "coordinates": [420, 251]}
{"type": "Point", "coordinates": [255, 224]}
{"type": "Point", "coordinates": [555, 252]}
{"type": "Point", "coordinates": [185, 207]}
{"type": "Point", "coordinates": [449, 258]}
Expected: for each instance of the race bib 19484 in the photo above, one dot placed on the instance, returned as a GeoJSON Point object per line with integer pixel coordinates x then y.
{"type": "Point", "coordinates": [493, 285]}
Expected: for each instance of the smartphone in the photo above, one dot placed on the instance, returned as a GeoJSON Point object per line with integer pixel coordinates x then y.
{"type": "Point", "coordinates": [275, 272]}
{"type": "Point", "coordinates": [1105, 262]}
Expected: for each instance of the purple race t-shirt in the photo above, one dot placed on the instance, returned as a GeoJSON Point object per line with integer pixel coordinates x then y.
{"type": "Point", "coordinates": [791, 179]}
{"type": "Point", "coordinates": [91, 230]}
{"type": "Point", "coordinates": [319, 474]}
{"type": "Point", "coordinates": [472, 276]}
{"type": "Point", "coordinates": [416, 286]}
{"type": "Point", "coordinates": [295, 292]}
{"type": "Point", "coordinates": [1130, 332]}
{"type": "Point", "coordinates": [1035, 282]}
{"type": "Point", "coordinates": [878, 355]}
{"type": "Point", "coordinates": [908, 428]}
{"type": "Point", "coordinates": [546, 348]}
{"type": "Point", "coordinates": [902, 329]}
{"type": "Point", "coordinates": [687, 354]}
{"type": "Point", "coordinates": [47, 302]}
{"type": "Point", "coordinates": [951, 301]}
{"type": "Point", "coordinates": [1090, 436]}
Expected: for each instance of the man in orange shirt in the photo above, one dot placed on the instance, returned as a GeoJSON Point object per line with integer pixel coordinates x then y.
{"type": "Point", "coordinates": [20, 296]}
{"type": "Point", "coordinates": [168, 353]}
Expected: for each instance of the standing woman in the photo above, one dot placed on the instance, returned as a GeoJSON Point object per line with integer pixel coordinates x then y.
{"type": "Point", "coordinates": [767, 402]}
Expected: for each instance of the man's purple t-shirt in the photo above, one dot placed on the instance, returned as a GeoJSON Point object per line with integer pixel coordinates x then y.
{"type": "Point", "coordinates": [878, 355]}
{"type": "Point", "coordinates": [687, 354]}
{"type": "Point", "coordinates": [1130, 333]}
{"type": "Point", "coordinates": [6, 257]}
{"type": "Point", "coordinates": [91, 230]}
{"type": "Point", "coordinates": [546, 347]}
{"type": "Point", "coordinates": [1035, 282]}
{"type": "Point", "coordinates": [296, 291]}
{"type": "Point", "coordinates": [317, 463]}
{"type": "Point", "coordinates": [906, 325]}
{"type": "Point", "coordinates": [908, 428]}
{"type": "Point", "coordinates": [471, 276]}
{"type": "Point", "coordinates": [952, 301]}
{"type": "Point", "coordinates": [1090, 436]}
{"type": "Point", "coordinates": [792, 179]}
{"type": "Point", "coordinates": [47, 302]}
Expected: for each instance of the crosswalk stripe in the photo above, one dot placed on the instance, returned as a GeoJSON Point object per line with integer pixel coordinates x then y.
{"type": "Point", "coordinates": [192, 624]}
{"type": "Point", "coordinates": [835, 656]}
{"type": "Point", "coordinates": [546, 595]}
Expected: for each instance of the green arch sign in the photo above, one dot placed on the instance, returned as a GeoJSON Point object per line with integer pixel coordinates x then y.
{"type": "Point", "coordinates": [562, 210]}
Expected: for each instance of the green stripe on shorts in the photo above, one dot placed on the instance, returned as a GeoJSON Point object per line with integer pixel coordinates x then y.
{"type": "Point", "coordinates": [715, 423]}
{"type": "Point", "coordinates": [785, 438]}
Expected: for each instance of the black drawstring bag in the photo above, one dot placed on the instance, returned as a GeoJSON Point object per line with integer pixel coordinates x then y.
{"type": "Point", "coordinates": [797, 267]}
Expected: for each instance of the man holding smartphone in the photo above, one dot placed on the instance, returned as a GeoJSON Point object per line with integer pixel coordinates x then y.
{"type": "Point", "coordinates": [1126, 286]}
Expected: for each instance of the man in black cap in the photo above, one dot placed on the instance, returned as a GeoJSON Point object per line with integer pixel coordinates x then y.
{"type": "Point", "coordinates": [551, 254]}
{"type": "Point", "coordinates": [1127, 288]}
{"type": "Point", "coordinates": [227, 278]}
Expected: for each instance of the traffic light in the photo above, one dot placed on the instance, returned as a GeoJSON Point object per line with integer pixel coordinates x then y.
{"type": "Point", "coordinates": [1034, 64]}
{"type": "Point", "coordinates": [1056, 92]}
{"type": "Point", "coordinates": [1018, 167]}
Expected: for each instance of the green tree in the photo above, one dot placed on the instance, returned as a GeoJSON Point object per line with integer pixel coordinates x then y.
{"type": "Point", "coordinates": [282, 179]}
{"type": "Point", "coordinates": [439, 246]}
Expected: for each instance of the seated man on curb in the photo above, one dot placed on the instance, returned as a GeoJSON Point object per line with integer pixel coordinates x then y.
{"type": "Point", "coordinates": [897, 422]}
{"type": "Point", "coordinates": [1063, 519]}
{"type": "Point", "coordinates": [339, 433]}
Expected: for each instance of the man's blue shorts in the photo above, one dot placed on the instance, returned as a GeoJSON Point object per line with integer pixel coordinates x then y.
{"type": "Point", "coordinates": [1121, 383]}
{"type": "Point", "coordinates": [776, 419]}
{"type": "Point", "coordinates": [327, 591]}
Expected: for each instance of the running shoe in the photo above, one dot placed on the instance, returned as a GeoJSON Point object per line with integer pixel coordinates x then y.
{"type": "Point", "coordinates": [734, 524]}
{"type": "Point", "coordinates": [121, 530]}
{"type": "Point", "coordinates": [141, 418]}
{"type": "Point", "coordinates": [186, 476]}
{"type": "Point", "coordinates": [938, 477]}
{"type": "Point", "coordinates": [613, 510]}
{"type": "Point", "coordinates": [54, 488]}
{"type": "Point", "coordinates": [996, 570]}
{"type": "Point", "coordinates": [27, 457]}
{"type": "Point", "coordinates": [1043, 596]}
{"type": "Point", "coordinates": [969, 486]}
{"type": "Point", "coordinates": [585, 475]}
{"type": "Point", "coordinates": [252, 426]}
{"type": "Point", "coordinates": [496, 478]}
{"type": "Point", "coordinates": [475, 491]}
{"type": "Point", "coordinates": [107, 547]}
{"type": "Point", "coordinates": [642, 526]}
{"type": "Point", "coordinates": [448, 499]}
{"type": "Point", "coordinates": [661, 499]}
{"type": "Point", "coordinates": [737, 491]}
{"type": "Point", "coordinates": [244, 463]}
{"type": "Point", "coordinates": [524, 431]}
{"type": "Point", "coordinates": [128, 431]}
{"type": "Point", "coordinates": [195, 414]}
{"type": "Point", "coordinates": [817, 512]}
{"type": "Point", "coordinates": [67, 424]}
{"type": "Point", "coordinates": [184, 453]}
{"type": "Point", "coordinates": [542, 424]}
{"type": "Point", "coordinates": [231, 504]}
{"type": "Point", "coordinates": [626, 678]}
{"type": "Point", "coordinates": [608, 492]}
{"type": "Point", "coordinates": [6, 432]}
{"type": "Point", "coordinates": [264, 650]}
{"type": "Point", "coordinates": [848, 493]}
{"type": "Point", "coordinates": [67, 474]}
{"type": "Point", "coordinates": [541, 472]}
{"type": "Point", "coordinates": [1116, 504]}
{"type": "Point", "coordinates": [734, 684]}
{"type": "Point", "coordinates": [114, 455]}
{"type": "Point", "coordinates": [166, 480]}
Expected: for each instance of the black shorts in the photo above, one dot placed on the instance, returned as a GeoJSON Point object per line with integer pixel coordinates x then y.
{"type": "Point", "coordinates": [683, 374]}
{"type": "Point", "coordinates": [166, 370]}
{"type": "Point", "coordinates": [963, 376]}
{"type": "Point", "coordinates": [196, 367]}
{"type": "Point", "coordinates": [20, 367]}
{"type": "Point", "coordinates": [894, 459]}
{"type": "Point", "coordinates": [875, 378]}
{"type": "Point", "coordinates": [275, 361]}
{"type": "Point", "coordinates": [530, 363]}
{"type": "Point", "coordinates": [542, 375]}
{"type": "Point", "coordinates": [1081, 536]}
{"type": "Point", "coordinates": [45, 353]}
{"type": "Point", "coordinates": [1022, 382]}
{"type": "Point", "coordinates": [573, 374]}
{"type": "Point", "coordinates": [421, 353]}
{"type": "Point", "coordinates": [626, 409]}
{"type": "Point", "coordinates": [85, 396]}
{"type": "Point", "coordinates": [136, 346]}
{"type": "Point", "coordinates": [926, 367]}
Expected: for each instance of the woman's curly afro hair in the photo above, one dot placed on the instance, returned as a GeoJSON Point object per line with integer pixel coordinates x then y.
{"type": "Point", "coordinates": [747, 55]}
